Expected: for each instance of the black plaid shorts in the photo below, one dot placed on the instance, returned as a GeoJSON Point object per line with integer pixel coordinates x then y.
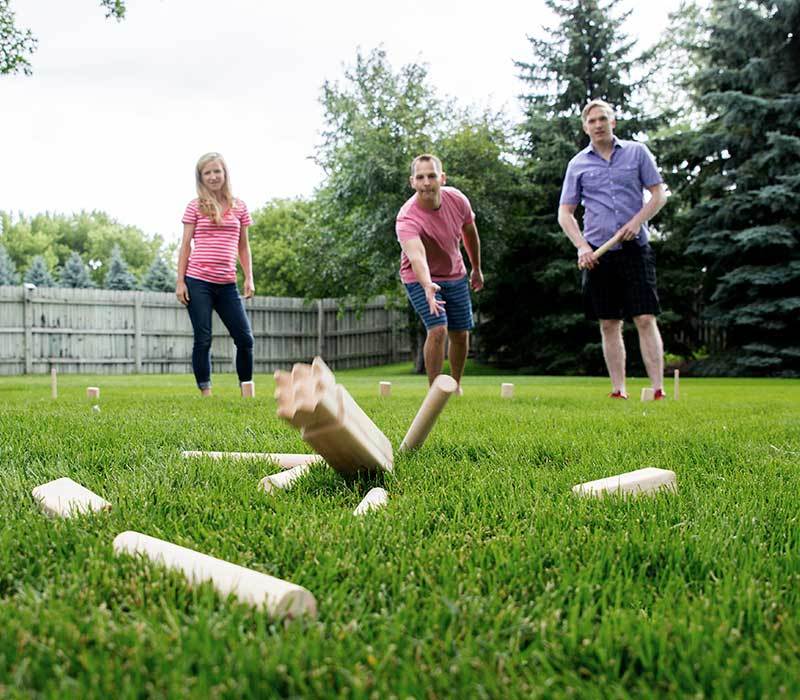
{"type": "Point", "coordinates": [623, 284]}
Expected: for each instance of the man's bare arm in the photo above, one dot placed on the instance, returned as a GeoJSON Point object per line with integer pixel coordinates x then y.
{"type": "Point", "coordinates": [472, 244]}
{"type": "Point", "coordinates": [569, 225]}
{"type": "Point", "coordinates": [415, 252]}
{"type": "Point", "coordinates": [658, 199]}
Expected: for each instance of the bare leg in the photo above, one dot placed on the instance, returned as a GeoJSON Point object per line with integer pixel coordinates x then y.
{"type": "Point", "coordinates": [434, 352]}
{"type": "Point", "coordinates": [459, 347]}
{"type": "Point", "coordinates": [614, 352]}
{"type": "Point", "coordinates": [652, 348]}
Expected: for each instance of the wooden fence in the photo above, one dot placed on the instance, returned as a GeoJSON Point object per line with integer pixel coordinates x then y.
{"type": "Point", "coordinates": [106, 332]}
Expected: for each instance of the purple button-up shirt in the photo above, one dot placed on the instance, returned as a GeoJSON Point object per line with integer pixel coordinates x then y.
{"type": "Point", "coordinates": [611, 191]}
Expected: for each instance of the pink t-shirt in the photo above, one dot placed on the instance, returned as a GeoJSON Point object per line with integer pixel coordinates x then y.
{"type": "Point", "coordinates": [216, 246]}
{"type": "Point", "coordinates": [440, 233]}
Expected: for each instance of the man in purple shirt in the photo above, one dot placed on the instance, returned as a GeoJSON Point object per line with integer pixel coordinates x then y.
{"type": "Point", "coordinates": [608, 178]}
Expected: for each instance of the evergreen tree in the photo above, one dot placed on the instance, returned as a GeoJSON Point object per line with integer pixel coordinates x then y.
{"type": "Point", "coordinates": [534, 307]}
{"type": "Point", "coordinates": [745, 226]}
{"type": "Point", "coordinates": [119, 275]}
{"type": "Point", "coordinates": [8, 271]}
{"type": "Point", "coordinates": [160, 277]}
{"type": "Point", "coordinates": [75, 274]}
{"type": "Point", "coordinates": [38, 273]}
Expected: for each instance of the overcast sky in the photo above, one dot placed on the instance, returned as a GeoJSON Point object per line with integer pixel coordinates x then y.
{"type": "Point", "coordinates": [115, 115]}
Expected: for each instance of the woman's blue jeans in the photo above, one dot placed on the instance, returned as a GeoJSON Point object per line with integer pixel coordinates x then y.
{"type": "Point", "coordinates": [224, 299]}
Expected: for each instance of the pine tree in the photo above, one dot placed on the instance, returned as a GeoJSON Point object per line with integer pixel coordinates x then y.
{"type": "Point", "coordinates": [534, 309]}
{"type": "Point", "coordinates": [119, 275]}
{"type": "Point", "coordinates": [8, 271]}
{"type": "Point", "coordinates": [75, 274]}
{"type": "Point", "coordinates": [160, 277]}
{"type": "Point", "coordinates": [745, 227]}
{"type": "Point", "coordinates": [38, 273]}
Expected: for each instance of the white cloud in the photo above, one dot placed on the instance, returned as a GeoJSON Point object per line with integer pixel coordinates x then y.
{"type": "Point", "coordinates": [116, 114]}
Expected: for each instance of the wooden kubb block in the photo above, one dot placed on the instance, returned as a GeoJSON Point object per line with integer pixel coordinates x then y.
{"type": "Point", "coordinates": [375, 498]}
{"type": "Point", "coordinates": [507, 390]}
{"type": "Point", "coordinates": [385, 389]}
{"type": "Point", "coordinates": [330, 420]}
{"type": "Point", "coordinates": [278, 597]}
{"type": "Point", "coordinates": [92, 392]}
{"type": "Point", "coordinates": [284, 479]}
{"type": "Point", "coordinates": [641, 481]}
{"type": "Point", "coordinates": [248, 390]}
{"type": "Point", "coordinates": [65, 498]}
{"type": "Point", "coordinates": [647, 394]}
{"type": "Point", "coordinates": [283, 459]}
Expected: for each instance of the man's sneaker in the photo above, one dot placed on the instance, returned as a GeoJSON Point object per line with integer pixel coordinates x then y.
{"type": "Point", "coordinates": [659, 394]}
{"type": "Point", "coordinates": [617, 395]}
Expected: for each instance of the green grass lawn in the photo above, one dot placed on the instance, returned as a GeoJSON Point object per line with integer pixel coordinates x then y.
{"type": "Point", "coordinates": [485, 576]}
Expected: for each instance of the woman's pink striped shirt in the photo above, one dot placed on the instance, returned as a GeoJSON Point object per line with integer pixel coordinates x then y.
{"type": "Point", "coordinates": [216, 246]}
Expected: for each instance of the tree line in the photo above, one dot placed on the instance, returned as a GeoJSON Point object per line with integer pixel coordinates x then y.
{"type": "Point", "coordinates": [82, 250]}
{"type": "Point", "coordinates": [717, 101]}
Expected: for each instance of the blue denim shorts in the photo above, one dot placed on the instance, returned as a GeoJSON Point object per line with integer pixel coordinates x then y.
{"type": "Point", "coordinates": [457, 313]}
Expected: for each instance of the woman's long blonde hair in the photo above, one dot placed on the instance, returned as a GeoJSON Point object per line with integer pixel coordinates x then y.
{"type": "Point", "coordinates": [209, 204]}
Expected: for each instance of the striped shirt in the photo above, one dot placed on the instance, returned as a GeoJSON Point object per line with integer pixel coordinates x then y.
{"type": "Point", "coordinates": [215, 246]}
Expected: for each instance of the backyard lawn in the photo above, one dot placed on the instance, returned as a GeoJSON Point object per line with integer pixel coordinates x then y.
{"type": "Point", "coordinates": [484, 576]}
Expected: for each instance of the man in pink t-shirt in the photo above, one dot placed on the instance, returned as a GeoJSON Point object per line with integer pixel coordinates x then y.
{"type": "Point", "coordinates": [431, 227]}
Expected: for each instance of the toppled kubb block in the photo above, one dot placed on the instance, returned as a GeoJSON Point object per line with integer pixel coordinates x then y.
{"type": "Point", "coordinates": [278, 597]}
{"type": "Point", "coordinates": [65, 498]}
{"type": "Point", "coordinates": [285, 479]}
{"type": "Point", "coordinates": [330, 420]}
{"type": "Point", "coordinates": [648, 480]}
{"type": "Point", "coordinates": [283, 459]}
{"type": "Point", "coordinates": [375, 498]}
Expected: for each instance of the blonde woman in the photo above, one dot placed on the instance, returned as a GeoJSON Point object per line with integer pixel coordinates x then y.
{"type": "Point", "coordinates": [214, 236]}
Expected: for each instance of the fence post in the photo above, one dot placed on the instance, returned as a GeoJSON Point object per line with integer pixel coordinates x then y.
{"type": "Point", "coordinates": [320, 328]}
{"type": "Point", "coordinates": [28, 325]}
{"type": "Point", "coordinates": [137, 332]}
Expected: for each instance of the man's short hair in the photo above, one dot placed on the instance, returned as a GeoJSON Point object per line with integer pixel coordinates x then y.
{"type": "Point", "coordinates": [607, 108]}
{"type": "Point", "coordinates": [437, 164]}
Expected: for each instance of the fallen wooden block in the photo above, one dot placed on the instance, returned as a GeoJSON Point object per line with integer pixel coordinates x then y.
{"type": "Point", "coordinates": [248, 390]}
{"type": "Point", "coordinates": [375, 498]}
{"type": "Point", "coordinates": [65, 498]}
{"type": "Point", "coordinates": [284, 479]}
{"type": "Point", "coordinates": [282, 459]}
{"type": "Point", "coordinates": [92, 392]}
{"type": "Point", "coordinates": [440, 391]}
{"type": "Point", "coordinates": [648, 480]}
{"type": "Point", "coordinates": [676, 385]}
{"type": "Point", "coordinates": [385, 388]}
{"type": "Point", "coordinates": [330, 420]}
{"type": "Point", "coordinates": [278, 597]}
{"type": "Point", "coordinates": [647, 394]}
{"type": "Point", "coordinates": [507, 390]}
